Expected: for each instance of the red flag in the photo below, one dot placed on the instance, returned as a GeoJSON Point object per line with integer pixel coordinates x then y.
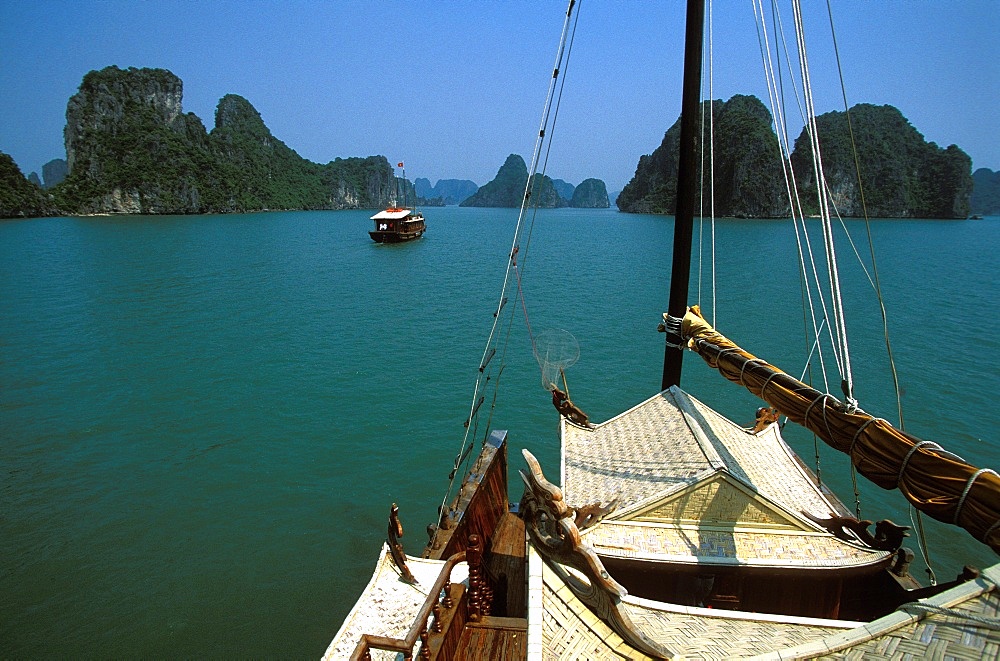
{"type": "Point", "coordinates": [400, 165]}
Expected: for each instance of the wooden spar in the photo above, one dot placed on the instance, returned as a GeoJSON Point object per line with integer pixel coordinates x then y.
{"type": "Point", "coordinates": [932, 479]}
{"type": "Point", "coordinates": [687, 177]}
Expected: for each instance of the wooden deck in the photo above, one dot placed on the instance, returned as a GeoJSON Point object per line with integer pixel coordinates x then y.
{"type": "Point", "coordinates": [494, 639]}
{"type": "Point", "coordinates": [505, 567]}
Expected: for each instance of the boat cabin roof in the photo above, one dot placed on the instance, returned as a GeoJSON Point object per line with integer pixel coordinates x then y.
{"type": "Point", "coordinates": [694, 487]}
{"type": "Point", "coordinates": [392, 214]}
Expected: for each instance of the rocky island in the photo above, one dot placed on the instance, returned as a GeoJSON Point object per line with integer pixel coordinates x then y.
{"type": "Point", "coordinates": [131, 149]}
{"type": "Point", "coordinates": [902, 175]}
{"type": "Point", "coordinates": [507, 190]}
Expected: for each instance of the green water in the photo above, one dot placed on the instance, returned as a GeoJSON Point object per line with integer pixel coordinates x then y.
{"type": "Point", "coordinates": [204, 420]}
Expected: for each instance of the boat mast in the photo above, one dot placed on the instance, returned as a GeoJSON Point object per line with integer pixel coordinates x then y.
{"type": "Point", "coordinates": [687, 180]}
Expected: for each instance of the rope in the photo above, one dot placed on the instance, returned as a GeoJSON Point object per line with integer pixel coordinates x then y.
{"type": "Point", "coordinates": [918, 523]}
{"type": "Point", "coordinates": [854, 472]}
{"type": "Point", "coordinates": [513, 270]}
{"type": "Point", "coordinates": [711, 153]}
{"type": "Point", "coordinates": [743, 367]}
{"type": "Point", "coordinates": [711, 178]}
{"type": "Point", "coordinates": [968, 487]}
{"type": "Point", "coordinates": [930, 609]}
{"type": "Point", "coordinates": [850, 451]}
{"type": "Point", "coordinates": [989, 531]}
{"type": "Point", "coordinates": [906, 459]}
{"type": "Point", "coordinates": [791, 188]}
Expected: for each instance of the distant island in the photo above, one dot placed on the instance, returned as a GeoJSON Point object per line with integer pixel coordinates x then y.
{"type": "Point", "coordinates": [902, 175]}
{"type": "Point", "coordinates": [507, 189]}
{"type": "Point", "coordinates": [447, 191]}
{"type": "Point", "coordinates": [985, 198]}
{"type": "Point", "coordinates": [131, 149]}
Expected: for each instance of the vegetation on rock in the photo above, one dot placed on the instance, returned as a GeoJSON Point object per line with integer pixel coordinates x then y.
{"type": "Point", "coordinates": [19, 198]}
{"type": "Point", "coordinates": [507, 188]}
{"type": "Point", "coordinates": [902, 175]}
{"type": "Point", "coordinates": [131, 149]}
{"type": "Point", "coordinates": [748, 179]}
{"type": "Point", "coordinates": [590, 194]}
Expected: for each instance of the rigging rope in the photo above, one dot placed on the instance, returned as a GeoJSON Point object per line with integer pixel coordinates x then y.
{"type": "Point", "coordinates": [838, 328]}
{"type": "Point", "coordinates": [499, 337]}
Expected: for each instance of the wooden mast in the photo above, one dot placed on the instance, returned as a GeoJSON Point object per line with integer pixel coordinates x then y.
{"type": "Point", "coordinates": [687, 179]}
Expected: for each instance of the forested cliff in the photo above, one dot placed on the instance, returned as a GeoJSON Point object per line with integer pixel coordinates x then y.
{"type": "Point", "coordinates": [131, 149]}
{"type": "Point", "coordinates": [902, 175]}
{"type": "Point", "coordinates": [748, 179]}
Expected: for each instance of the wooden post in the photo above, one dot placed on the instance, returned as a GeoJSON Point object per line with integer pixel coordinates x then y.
{"type": "Point", "coordinates": [687, 181]}
{"type": "Point", "coordinates": [474, 555]}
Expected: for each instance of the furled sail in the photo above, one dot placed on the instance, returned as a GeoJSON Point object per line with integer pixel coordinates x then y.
{"type": "Point", "coordinates": [935, 481]}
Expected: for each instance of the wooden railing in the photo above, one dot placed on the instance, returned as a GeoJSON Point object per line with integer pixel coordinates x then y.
{"type": "Point", "coordinates": [442, 616]}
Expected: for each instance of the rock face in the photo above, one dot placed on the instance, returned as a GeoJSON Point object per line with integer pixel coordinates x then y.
{"type": "Point", "coordinates": [590, 194]}
{"type": "Point", "coordinates": [565, 189]}
{"type": "Point", "coordinates": [903, 176]}
{"type": "Point", "coordinates": [110, 100]}
{"type": "Point", "coordinates": [20, 198]}
{"type": "Point", "coordinates": [985, 198]}
{"type": "Point", "coordinates": [507, 188]}
{"type": "Point", "coordinates": [748, 179]}
{"type": "Point", "coordinates": [449, 191]}
{"type": "Point", "coordinates": [54, 172]}
{"type": "Point", "coordinates": [131, 149]}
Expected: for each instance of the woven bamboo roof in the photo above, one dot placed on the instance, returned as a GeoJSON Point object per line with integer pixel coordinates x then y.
{"type": "Point", "coordinates": [695, 487]}
{"type": "Point", "coordinates": [388, 606]}
{"type": "Point", "coordinates": [961, 623]}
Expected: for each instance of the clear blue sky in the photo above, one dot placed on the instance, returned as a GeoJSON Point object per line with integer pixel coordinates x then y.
{"type": "Point", "coordinates": [452, 87]}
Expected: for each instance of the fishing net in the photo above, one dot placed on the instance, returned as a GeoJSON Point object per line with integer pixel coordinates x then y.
{"type": "Point", "coordinates": [555, 350]}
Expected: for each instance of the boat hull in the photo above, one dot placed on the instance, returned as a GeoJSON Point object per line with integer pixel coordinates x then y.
{"type": "Point", "coordinates": [395, 237]}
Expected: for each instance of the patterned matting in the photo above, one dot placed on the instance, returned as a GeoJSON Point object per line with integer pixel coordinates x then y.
{"type": "Point", "coordinates": [389, 606]}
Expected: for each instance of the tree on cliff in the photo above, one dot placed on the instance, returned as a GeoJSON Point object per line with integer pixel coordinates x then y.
{"type": "Point", "coordinates": [748, 180]}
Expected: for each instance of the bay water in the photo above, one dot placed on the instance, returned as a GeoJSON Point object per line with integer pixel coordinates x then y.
{"type": "Point", "coordinates": [205, 419]}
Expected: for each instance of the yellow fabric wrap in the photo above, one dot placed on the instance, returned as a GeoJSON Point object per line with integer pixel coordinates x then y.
{"type": "Point", "coordinates": [931, 480]}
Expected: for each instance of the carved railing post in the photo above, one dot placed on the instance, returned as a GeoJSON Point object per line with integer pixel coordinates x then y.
{"type": "Point", "coordinates": [446, 598]}
{"type": "Point", "coordinates": [438, 598]}
{"type": "Point", "coordinates": [436, 626]}
{"type": "Point", "coordinates": [474, 556]}
{"type": "Point", "coordinates": [425, 648]}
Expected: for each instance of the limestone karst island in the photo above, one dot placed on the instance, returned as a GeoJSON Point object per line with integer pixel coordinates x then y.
{"type": "Point", "coordinates": [131, 149]}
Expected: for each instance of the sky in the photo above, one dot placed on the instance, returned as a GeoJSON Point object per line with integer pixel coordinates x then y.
{"type": "Point", "coordinates": [451, 87]}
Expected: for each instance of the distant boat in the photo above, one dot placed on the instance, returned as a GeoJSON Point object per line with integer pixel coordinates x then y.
{"type": "Point", "coordinates": [397, 224]}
